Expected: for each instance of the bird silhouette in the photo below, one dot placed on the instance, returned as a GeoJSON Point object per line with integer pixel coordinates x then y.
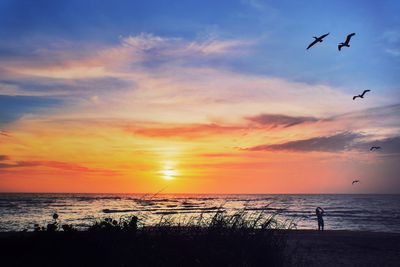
{"type": "Point", "coordinates": [362, 95]}
{"type": "Point", "coordinates": [346, 43]}
{"type": "Point", "coordinates": [374, 147]}
{"type": "Point", "coordinates": [355, 181]}
{"type": "Point", "coordinates": [317, 40]}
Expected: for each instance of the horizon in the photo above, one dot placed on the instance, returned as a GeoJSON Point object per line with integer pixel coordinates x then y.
{"type": "Point", "coordinates": [204, 97]}
{"type": "Point", "coordinates": [153, 194]}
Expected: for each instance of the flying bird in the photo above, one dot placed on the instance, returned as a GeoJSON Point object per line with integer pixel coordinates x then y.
{"type": "Point", "coordinates": [362, 95]}
{"type": "Point", "coordinates": [355, 181]}
{"type": "Point", "coordinates": [317, 40]}
{"type": "Point", "coordinates": [346, 43]}
{"type": "Point", "coordinates": [374, 147]}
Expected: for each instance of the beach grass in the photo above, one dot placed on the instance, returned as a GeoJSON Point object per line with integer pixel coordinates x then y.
{"type": "Point", "coordinates": [241, 239]}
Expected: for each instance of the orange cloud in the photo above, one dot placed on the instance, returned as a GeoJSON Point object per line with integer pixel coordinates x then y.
{"type": "Point", "coordinates": [186, 131]}
{"type": "Point", "coordinates": [280, 120]}
{"type": "Point", "coordinates": [56, 165]}
{"type": "Point", "coordinates": [218, 155]}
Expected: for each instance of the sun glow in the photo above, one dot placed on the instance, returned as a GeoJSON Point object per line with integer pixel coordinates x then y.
{"type": "Point", "coordinates": [168, 171]}
{"type": "Point", "coordinates": [168, 174]}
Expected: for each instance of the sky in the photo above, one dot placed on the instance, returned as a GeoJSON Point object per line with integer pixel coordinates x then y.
{"type": "Point", "coordinates": [199, 96]}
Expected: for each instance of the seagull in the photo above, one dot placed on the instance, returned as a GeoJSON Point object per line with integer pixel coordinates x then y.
{"type": "Point", "coordinates": [375, 147]}
{"type": "Point", "coordinates": [317, 40]}
{"type": "Point", "coordinates": [346, 43]}
{"type": "Point", "coordinates": [362, 95]}
{"type": "Point", "coordinates": [355, 181]}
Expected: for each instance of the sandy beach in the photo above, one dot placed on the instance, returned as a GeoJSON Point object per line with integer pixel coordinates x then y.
{"type": "Point", "coordinates": [345, 248]}
{"type": "Point", "coordinates": [182, 248]}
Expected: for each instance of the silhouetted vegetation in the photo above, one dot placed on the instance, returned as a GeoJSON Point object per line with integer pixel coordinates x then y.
{"type": "Point", "coordinates": [54, 226]}
{"type": "Point", "coordinates": [108, 224]}
{"type": "Point", "coordinates": [241, 239]}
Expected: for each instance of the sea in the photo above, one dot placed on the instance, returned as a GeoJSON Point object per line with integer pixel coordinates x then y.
{"type": "Point", "coordinates": [379, 213]}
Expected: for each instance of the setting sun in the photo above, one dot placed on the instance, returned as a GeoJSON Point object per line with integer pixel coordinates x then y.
{"type": "Point", "coordinates": [168, 174]}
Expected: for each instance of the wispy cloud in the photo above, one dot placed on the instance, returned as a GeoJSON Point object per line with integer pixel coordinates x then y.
{"type": "Point", "coordinates": [340, 142]}
{"type": "Point", "coordinates": [393, 51]}
{"type": "Point", "coordinates": [140, 49]}
{"type": "Point", "coordinates": [56, 165]}
{"type": "Point", "coordinates": [389, 146]}
{"type": "Point", "coordinates": [4, 157]}
{"type": "Point", "coordinates": [5, 133]}
{"type": "Point", "coordinates": [153, 46]}
{"type": "Point", "coordinates": [185, 131]}
{"type": "Point", "coordinates": [391, 40]}
{"type": "Point", "coordinates": [374, 121]}
{"type": "Point", "coordinates": [391, 36]}
{"type": "Point", "coordinates": [217, 155]}
{"type": "Point", "coordinates": [334, 143]}
{"type": "Point", "coordinates": [279, 120]}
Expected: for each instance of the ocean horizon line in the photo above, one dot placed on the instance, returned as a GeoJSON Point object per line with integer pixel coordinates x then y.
{"type": "Point", "coordinates": [152, 193]}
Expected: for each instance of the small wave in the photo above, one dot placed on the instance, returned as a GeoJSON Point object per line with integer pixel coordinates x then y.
{"type": "Point", "coordinates": [84, 198]}
{"type": "Point", "coordinates": [197, 208]}
{"type": "Point", "coordinates": [265, 208]}
{"type": "Point", "coordinates": [186, 212]}
{"type": "Point", "coordinates": [121, 211]}
{"type": "Point", "coordinates": [144, 202]}
{"type": "Point", "coordinates": [250, 199]}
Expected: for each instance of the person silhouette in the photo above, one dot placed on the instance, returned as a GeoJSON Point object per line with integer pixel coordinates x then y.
{"type": "Point", "coordinates": [320, 212]}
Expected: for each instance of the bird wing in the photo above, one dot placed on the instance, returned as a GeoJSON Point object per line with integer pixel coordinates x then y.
{"type": "Point", "coordinates": [349, 37]}
{"type": "Point", "coordinates": [339, 46]}
{"type": "Point", "coordinates": [354, 97]}
{"type": "Point", "coordinates": [372, 148]}
{"type": "Point", "coordinates": [313, 43]}
{"type": "Point", "coordinates": [365, 91]}
{"type": "Point", "coordinates": [323, 36]}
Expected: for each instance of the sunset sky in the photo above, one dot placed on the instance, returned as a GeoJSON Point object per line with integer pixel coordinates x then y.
{"type": "Point", "coordinates": [199, 96]}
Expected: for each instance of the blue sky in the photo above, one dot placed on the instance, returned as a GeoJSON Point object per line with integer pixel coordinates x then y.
{"type": "Point", "coordinates": [13, 107]}
{"type": "Point", "coordinates": [282, 30]}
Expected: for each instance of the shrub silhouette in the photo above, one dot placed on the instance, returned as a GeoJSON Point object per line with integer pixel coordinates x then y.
{"type": "Point", "coordinates": [108, 224]}
{"type": "Point", "coordinates": [54, 226]}
{"type": "Point", "coordinates": [68, 228]}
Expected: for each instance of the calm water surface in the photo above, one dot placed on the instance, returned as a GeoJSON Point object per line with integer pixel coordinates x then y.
{"type": "Point", "coordinates": [343, 212]}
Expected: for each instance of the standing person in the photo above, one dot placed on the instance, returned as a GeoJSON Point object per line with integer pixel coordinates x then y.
{"type": "Point", "coordinates": [320, 212]}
